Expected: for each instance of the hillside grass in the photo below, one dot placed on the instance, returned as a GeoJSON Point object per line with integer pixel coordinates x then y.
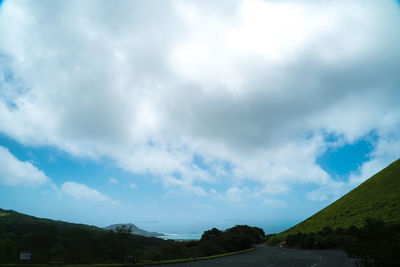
{"type": "Point", "coordinates": [378, 198]}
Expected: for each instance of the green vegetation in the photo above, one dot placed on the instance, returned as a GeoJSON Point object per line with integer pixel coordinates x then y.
{"type": "Point", "coordinates": [240, 237]}
{"type": "Point", "coordinates": [56, 241]}
{"type": "Point", "coordinates": [377, 198]}
{"type": "Point", "coordinates": [18, 223]}
{"type": "Point", "coordinates": [374, 244]}
{"type": "Point", "coordinates": [136, 264]}
{"type": "Point", "coordinates": [200, 258]}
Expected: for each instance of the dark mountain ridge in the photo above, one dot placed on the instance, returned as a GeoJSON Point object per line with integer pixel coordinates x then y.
{"type": "Point", "coordinates": [20, 224]}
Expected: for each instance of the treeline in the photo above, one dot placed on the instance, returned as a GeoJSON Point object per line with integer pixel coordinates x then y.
{"type": "Point", "coordinates": [83, 245]}
{"type": "Point", "coordinates": [240, 237]}
{"type": "Point", "coordinates": [374, 244]}
{"type": "Point", "coordinates": [75, 245]}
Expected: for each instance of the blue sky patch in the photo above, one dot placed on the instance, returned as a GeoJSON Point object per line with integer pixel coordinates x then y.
{"type": "Point", "coordinates": [339, 161]}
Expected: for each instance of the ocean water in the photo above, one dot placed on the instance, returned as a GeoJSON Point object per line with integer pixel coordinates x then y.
{"type": "Point", "coordinates": [181, 236]}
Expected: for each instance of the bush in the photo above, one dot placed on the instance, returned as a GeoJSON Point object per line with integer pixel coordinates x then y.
{"type": "Point", "coordinates": [291, 240]}
{"type": "Point", "coordinates": [374, 244]}
{"type": "Point", "coordinates": [309, 241]}
{"type": "Point", "coordinates": [236, 238]}
{"type": "Point", "coordinates": [274, 240]}
{"type": "Point", "coordinates": [210, 234]}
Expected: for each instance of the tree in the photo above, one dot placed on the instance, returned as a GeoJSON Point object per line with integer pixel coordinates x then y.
{"type": "Point", "coordinates": [210, 234]}
{"type": "Point", "coordinates": [376, 244]}
{"type": "Point", "coordinates": [45, 240]}
{"type": "Point", "coordinates": [123, 233]}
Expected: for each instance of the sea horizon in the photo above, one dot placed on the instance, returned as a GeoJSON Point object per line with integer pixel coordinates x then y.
{"type": "Point", "coordinates": [175, 236]}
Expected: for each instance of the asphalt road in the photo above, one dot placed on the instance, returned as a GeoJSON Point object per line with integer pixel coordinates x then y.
{"type": "Point", "coordinates": [276, 256]}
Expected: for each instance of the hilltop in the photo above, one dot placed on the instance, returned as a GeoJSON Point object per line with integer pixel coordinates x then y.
{"type": "Point", "coordinates": [135, 230]}
{"type": "Point", "coordinates": [377, 198]}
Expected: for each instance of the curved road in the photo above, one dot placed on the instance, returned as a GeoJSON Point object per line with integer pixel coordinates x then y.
{"type": "Point", "coordinates": [275, 256]}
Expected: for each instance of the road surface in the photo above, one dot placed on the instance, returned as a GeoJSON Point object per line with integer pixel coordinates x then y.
{"type": "Point", "coordinates": [276, 257]}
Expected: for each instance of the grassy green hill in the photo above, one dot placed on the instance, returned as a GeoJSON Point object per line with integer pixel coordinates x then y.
{"type": "Point", "coordinates": [378, 198]}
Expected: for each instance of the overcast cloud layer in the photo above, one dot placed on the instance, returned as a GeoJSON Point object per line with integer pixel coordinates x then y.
{"type": "Point", "coordinates": [199, 92]}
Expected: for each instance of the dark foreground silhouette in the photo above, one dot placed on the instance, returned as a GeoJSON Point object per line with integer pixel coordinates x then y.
{"type": "Point", "coordinates": [278, 257]}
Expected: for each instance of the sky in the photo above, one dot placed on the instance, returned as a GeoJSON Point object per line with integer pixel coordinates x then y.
{"type": "Point", "coordinates": [180, 116]}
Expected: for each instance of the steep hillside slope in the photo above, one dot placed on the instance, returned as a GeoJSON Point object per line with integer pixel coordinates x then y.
{"type": "Point", "coordinates": [378, 197]}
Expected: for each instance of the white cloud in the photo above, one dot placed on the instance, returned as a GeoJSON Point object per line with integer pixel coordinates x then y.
{"type": "Point", "coordinates": [330, 191]}
{"type": "Point", "coordinates": [275, 203]}
{"type": "Point", "coordinates": [235, 194]}
{"type": "Point", "coordinates": [252, 87]}
{"type": "Point", "coordinates": [14, 172]}
{"type": "Point", "coordinates": [113, 180]}
{"type": "Point", "coordinates": [133, 186]}
{"type": "Point", "coordinates": [83, 192]}
{"type": "Point", "coordinates": [182, 186]}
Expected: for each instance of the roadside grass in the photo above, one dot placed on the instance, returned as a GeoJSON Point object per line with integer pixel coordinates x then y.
{"type": "Point", "coordinates": [198, 258]}
{"type": "Point", "coordinates": [142, 263]}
